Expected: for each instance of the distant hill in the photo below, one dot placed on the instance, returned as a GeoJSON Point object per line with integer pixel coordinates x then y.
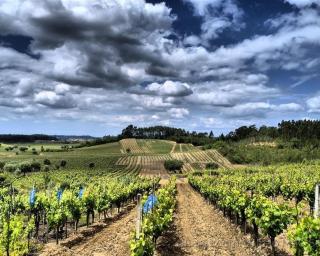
{"type": "Point", "coordinates": [12, 138]}
{"type": "Point", "coordinates": [75, 137]}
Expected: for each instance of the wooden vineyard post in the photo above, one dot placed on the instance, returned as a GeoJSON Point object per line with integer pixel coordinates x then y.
{"type": "Point", "coordinates": [138, 224]}
{"type": "Point", "coordinates": [316, 202]}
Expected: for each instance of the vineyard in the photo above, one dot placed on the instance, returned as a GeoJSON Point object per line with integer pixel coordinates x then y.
{"type": "Point", "coordinates": [131, 146]}
{"type": "Point", "coordinates": [141, 146]}
{"type": "Point", "coordinates": [270, 202]}
{"type": "Point", "coordinates": [270, 206]}
{"type": "Point", "coordinates": [153, 164]}
{"type": "Point", "coordinates": [197, 159]}
{"type": "Point", "coordinates": [52, 209]}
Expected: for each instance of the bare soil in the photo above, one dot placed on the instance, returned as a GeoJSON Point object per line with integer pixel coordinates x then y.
{"type": "Point", "coordinates": [112, 240]}
{"type": "Point", "coordinates": [198, 229]}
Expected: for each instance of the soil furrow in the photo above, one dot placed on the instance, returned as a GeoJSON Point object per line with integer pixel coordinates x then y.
{"type": "Point", "coordinates": [198, 229]}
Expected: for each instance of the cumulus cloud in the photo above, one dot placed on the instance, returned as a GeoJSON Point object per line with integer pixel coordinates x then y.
{"type": "Point", "coordinates": [218, 15]}
{"type": "Point", "coordinates": [314, 104]}
{"type": "Point", "coordinates": [126, 61]}
{"type": "Point", "coordinates": [93, 43]}
{"type": "Point", "coordinates": [228, 93]}
{"type": "Point", "coordinates": [52, 99]}
{"type": "Point", "coordinates": [260, 109]}
{"type": "Point", "coordinates": [178, 112]}
{"type": "Point", "coordinates": [168, 88]}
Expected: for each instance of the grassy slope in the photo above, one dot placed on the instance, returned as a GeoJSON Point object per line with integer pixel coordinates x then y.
{"type": "Point", "coordinates": [104, 156]}
{"type": "Point", "coordinates": [180, 147]}
{"type": "Point", "coordinates": [156, 146]}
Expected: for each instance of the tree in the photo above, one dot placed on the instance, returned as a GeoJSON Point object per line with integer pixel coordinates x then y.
{"type": "Point", "coordinates": [47, 161]}
{"type": "Point", "coordinates": [173, 165]}
{"type": "Point", "coordinates": [63, 163]}
{"type": "Point", "coordinates": [211, 136]}
{"type": "Point", "coordinates": [2, 164]}
{"type": "Point", "coordinates": [23, 149]}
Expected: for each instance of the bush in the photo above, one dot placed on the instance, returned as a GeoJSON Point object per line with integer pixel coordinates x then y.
{"type": "Point", "coordinates": [2, 164]}
{"type": "Point", "coordinates": [92, 165]}
{"type": "Point", "coordinates": [25, 167]}
{"type": "Point", "coordinates": [36, 166]}
{"type": "Point", "coordinates": [11, 167]}
{"type": "Point", "coordinates": [23, 149]}
{"type": "Point", "coordinates": [63, 163]}
{"type": "Point", "coordinates": [2, 180]}
{"type": "Point", "coordinates": [212, 166]}
{"type": "Point", "coordinates": [173, 165]}
{"type": "Point", "coordinates": [47, 161]}
{"type": "Point", "coordinates": [46, 168]}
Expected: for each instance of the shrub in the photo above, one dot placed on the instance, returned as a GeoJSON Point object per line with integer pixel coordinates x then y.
{"type": "Point", "coordinates": [36, 166]}
{"type": "Point", "coordinates": [25, 167]}
{"type": "Point", "coordinates": [47, 161]}
{"type": "Point", "coordinates": [23, 149]}
{"type": "Point", "coordinates": [212, 166]}
{"type": "Point", "coordinates": [63, 163]}
{"type": "Point", "coordinates": [91, 165]}
{"type": "Point", "coordinates": [11, 167]}
{"type": "Point", "coordinates": [2, 180]}
{"type": "Point", "coordinates": [2, 164]}
{"type": "Point", "coordinates": [173, 165]}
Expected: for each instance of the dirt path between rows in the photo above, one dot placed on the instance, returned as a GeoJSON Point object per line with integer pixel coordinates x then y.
{"type": "Point", "coordinates": [113, 240]}
{"type": "Point", "coordinates": [198, 229]}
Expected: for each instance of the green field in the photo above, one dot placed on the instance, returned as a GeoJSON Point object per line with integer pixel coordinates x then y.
{"type": "Point", "coordinates": [103, 156]}
{"type": "Point", "coordinates": [181, 147]}
{"type": "Point", "coordinates": [156, 146]}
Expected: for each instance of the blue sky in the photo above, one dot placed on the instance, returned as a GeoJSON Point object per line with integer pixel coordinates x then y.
{"type": "Point", "coordinates": [93, 67]}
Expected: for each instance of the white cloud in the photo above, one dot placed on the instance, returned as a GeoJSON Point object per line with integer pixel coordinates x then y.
{"type": "Point", "coordinates": [50, 98]}
{"type": "Point", "coordinates": [314, 104]}
{"type": "Point", "coordinates": [178, 112]}
{"type": "Point", "coordinates": [260, 109]}
{"type": "Point", "coordinates": [170, 88]}
{"type": "Point", "coordinates": [62, 88]}
{"type": "Point", "coordinates": [229, 93]}
{"type": "Point", "coordinates": [218, 15]}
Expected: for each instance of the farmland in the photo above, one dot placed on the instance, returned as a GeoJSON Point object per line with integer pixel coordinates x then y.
{"type": "Point", "coordinates": [282, 187]}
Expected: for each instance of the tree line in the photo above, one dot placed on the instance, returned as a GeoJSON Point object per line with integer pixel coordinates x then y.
{"type": "Point", "coordinates": [307, 131]}
{"type": "Point", "coordinates": [12, 138]}
{"type": "Point", "coordinates": [167, 133]}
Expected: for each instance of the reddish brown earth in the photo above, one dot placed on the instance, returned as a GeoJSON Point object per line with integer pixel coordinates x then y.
{"type": "Point", "coordinates": [112, 240]}
{"type": "Point", "coordinates": [198, 229]}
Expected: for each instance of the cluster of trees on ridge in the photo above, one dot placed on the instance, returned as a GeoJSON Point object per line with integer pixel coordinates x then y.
{"type": "Point", "coordinates": [167, 133]}
{"type": "Point", "coordinates": [297, 133]}
{"type": "Point", "coordinates": [292, 142]}
{"type": "Point", "coordinates": [301, 130]}
{"type": "Point", "coordinates": [11, 138]}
